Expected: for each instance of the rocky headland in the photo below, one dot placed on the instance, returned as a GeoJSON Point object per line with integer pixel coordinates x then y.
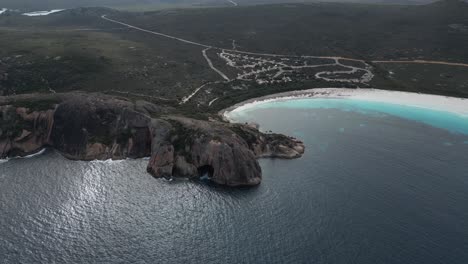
{"type": "Point", "coordinates": [101, 127]}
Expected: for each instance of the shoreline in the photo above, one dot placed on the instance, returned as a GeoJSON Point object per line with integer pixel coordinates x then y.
{"type": "Point", "coordinates": [40, 152]}
{"type": "Point", "coordinates": [453, 105]}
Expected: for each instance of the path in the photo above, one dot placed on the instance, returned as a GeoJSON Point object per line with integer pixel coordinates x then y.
{"type": "Point", "coordinates": [156, 33]}
{"type": "Point", "coordinates": [210, 63]}
{"type": "Point", "coordinates": [271, 68]}
{"type": "Point", "coordinates": [214, 47]}
{"type": "Point", "coordinates": [423, 62]}
{"type": "Point", "coordinates": [140, 95]}
{"type": "Point", "coordinates": [187, 98]}
{"type": "Point", "coordinates": [212, 101]}
{"type": "Point", "coordinates": [280, 67]}
{"type": "Point", "coordinates": [319, 75]}
{"type": "Point", "coordinates": [19, 29]}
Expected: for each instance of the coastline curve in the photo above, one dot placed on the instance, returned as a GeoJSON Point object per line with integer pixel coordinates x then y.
{"type": "Point", "coordinates": [447, 112]}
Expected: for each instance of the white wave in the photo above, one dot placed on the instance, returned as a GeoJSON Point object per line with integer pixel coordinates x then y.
{"type": "Point", "coordinates": [25, 157]}
{"type": "Point", "coordinates": [435, 102]}
{"type": "Point", "coordinates": [108, 161]}
{"type": "Point", "coordinates": [33, 155]}
{"type": "Point", "coordinates": [111, 161]}
{"type": "Point", "coordinates": [3, 10]}
{"type": "Point", "coordinates": [42, 13]}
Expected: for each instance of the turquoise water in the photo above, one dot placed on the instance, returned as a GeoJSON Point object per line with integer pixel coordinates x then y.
{"type": "Point", "coordinates": [450, 121]}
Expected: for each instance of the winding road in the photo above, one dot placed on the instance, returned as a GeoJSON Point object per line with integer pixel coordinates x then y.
{"type": "Point", "coordinates": [282, 55]}
{"type": "Point", "coordinates": [424, 62]}
{"type": "Point", "coordinates": [365, 78]}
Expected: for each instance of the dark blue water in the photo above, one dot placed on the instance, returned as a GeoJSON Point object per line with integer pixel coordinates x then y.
{"type": "Point", "coordinates": [371, 188]}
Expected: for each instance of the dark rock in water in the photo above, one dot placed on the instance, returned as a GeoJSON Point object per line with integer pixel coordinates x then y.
{"type": "Point", "coordinates": [226, 152]}
{"type": "Point", "coordinates": [89, 127]}
{"type": "Point", "coordinates": [162, 161]}
{"type": "Point", "coordinates": [213, 148]}
{"type": "Point", "coordinates": [269, 145]}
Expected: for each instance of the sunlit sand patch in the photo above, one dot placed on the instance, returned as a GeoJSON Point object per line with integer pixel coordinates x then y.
{"type": "Point", "coordinates": [42, 13]}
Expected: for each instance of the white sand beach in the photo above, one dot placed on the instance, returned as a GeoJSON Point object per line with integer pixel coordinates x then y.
{"type": "Point", "coordinates": [434, 102]}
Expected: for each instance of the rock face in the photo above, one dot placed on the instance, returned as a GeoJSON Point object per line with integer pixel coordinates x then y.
{"type": "Point", "coordinates": [195, 148]}
{"type": "Point", "coordinates": [269, 145]}
{"type": "Point", "coordinates": [23, 132]}
{"type": "Point", "coordinates": [88, 129]}
{"type": "Point", "coordinates": [84, 127]}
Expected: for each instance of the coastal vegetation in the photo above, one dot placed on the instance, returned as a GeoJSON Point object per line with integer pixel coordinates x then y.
{"type": "Point", "coordinates": [79, 50]}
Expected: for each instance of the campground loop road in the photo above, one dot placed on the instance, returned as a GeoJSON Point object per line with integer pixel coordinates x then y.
{"type": "Point", "coordinates": [320, 75]}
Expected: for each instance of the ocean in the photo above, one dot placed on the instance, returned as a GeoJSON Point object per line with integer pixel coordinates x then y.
{"type": "Point", "coordinates": [378, 183]}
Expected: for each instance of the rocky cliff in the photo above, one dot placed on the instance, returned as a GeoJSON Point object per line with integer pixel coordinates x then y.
{"type": "Point", "coordinates": [88, 127]}
{"type": "Point", "coordinates": [23, 132]}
